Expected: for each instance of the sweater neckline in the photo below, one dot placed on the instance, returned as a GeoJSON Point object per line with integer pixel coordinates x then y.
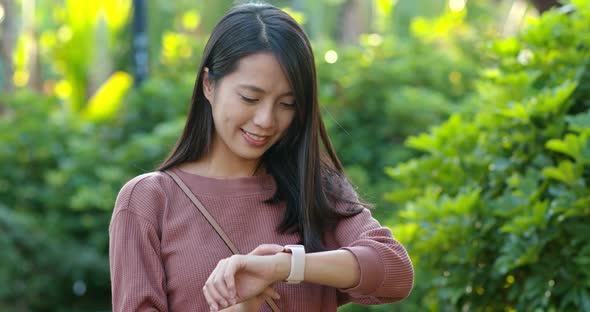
{"type": "Point", "coordinates": [234, 187]}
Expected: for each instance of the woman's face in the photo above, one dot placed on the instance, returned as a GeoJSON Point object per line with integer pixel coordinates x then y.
{"type": "Point", "coordinates": [252, 108]}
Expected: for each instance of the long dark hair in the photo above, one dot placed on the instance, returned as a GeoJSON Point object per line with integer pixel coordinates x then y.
{"type": "Point", "coordinates": [305, 173]}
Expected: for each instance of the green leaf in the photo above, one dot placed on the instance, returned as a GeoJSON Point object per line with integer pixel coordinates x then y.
{"type": "Point", "coordinates": [518, 111]}
{"type": "Point", "coordinates": [105, 103]}
{"type": "Point", "coordinates": [554, 100]}
{"type": "Point", "coordinates": [423, 142]}
{"type": "Point", "coordinates": [572, 145]}
{"type": "Point", "coordinates": [579, 122]}
{"type": "Point", "coordinates": [564, 173]}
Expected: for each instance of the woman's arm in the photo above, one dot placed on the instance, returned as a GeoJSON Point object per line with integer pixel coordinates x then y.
{"type": "Point", "coordinates": [386, 271]}
{"type": "Point", "coordinates": [137, 276]}
{"type": "Point", "coordinates": [243, 277]}
{"type": "Point", "coordinates": [336, 268]}
{"type": "Point", "coordinates": [370, 267]}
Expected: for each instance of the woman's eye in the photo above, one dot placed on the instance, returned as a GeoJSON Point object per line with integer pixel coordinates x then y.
{"type": "Point", "coordinates": [289, 105]}
{"type": "Point", "coordinates": [249, 100]}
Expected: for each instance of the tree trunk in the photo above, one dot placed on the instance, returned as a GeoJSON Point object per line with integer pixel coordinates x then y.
{"type": "Point", "coordinates": [31, 46]}
{"type": "Point", "coordinates": [8, 42]}
{"type": "Point", "coordinates": [33, 64]}
{"type": "Point", "coordinates": [544, 5]}
{"type": "Point", "coordinates": [514, 18]}
{"type": "Point", "coordinates": [101, 67]}
{"type": "Point", "coordinates": [351, 22]}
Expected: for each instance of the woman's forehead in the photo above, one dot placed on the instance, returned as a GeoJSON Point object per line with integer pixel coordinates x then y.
{"type": "Point", "coordinates": [261, 73]}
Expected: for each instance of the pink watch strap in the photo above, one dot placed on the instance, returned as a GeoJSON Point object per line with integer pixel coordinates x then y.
{"type": "Point", "coordinates": [297, 273]}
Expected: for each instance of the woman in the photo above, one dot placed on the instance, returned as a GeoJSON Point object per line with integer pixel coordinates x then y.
{"type": "Point", "coordinates": [255, 152]}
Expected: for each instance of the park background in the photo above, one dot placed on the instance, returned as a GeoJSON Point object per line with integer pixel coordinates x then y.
{"type": "Point", "coordinates": [466, 123]}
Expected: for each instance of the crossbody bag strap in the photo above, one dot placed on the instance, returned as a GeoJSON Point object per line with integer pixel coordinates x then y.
{"type": "Point", "coordinates": [203, 211]}
{"type": "Point", "coordinates": [213, 223]}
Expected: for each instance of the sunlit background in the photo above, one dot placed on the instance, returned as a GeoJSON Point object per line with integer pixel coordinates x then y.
{"type": "Point", "coordinates": [466, 123]}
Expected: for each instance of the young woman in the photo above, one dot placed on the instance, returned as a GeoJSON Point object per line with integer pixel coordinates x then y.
{"type": "Point", "coordinates": [255, 152]}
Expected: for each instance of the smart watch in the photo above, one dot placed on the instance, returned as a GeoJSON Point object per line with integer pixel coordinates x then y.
{"type": "Point", "coordinates": [297, 273]}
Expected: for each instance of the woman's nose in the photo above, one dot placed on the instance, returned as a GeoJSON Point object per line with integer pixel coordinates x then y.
{"type": "Point", "coordinates": [264, 116]}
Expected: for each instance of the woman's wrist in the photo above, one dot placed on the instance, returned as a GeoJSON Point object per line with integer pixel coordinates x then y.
{"type": "Point", "coordinates": [282, 262]}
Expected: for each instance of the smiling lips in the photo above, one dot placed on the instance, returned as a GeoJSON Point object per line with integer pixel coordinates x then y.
{"type": "Point", "coordinates": [254, 139]}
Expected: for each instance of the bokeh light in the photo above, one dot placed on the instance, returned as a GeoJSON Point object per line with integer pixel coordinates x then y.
{"type": "Point", "coordinates": [375, 39]}
{"type": "Point", "coordinates": [457, 5]}
{"type": "Point", "coordinates": [331, 56]}
{"type": "Point", "coordinates": [64, 34]}
{"type": "Point", "coordinates": [191, 20]}
{"type": "Point", "coordinates": [63, 89]}
{"type": "Point", "coordinates": [20, 78]}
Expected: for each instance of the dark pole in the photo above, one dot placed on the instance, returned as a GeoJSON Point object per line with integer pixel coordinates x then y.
{"type": "Point", "coordinates": [140, 41]}
{"type": "Point", "coordinates": [544, 5]}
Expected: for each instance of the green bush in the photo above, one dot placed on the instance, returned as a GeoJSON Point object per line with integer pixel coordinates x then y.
{"type": "Point", "coordinates": [60, 178]}
{"type": "Point", "coordinates": [43, 242]}
{"type": "Point", "coordinates": [381, 92]}
{"type": "Point", "coordinates": [497, 209]}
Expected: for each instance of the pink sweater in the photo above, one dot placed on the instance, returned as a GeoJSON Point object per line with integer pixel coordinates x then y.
{"type": "Point", "coordinates": [162, 249]}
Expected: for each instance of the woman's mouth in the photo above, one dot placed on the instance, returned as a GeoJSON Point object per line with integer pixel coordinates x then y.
{"type": "Point", "coordinates": [254, 139]}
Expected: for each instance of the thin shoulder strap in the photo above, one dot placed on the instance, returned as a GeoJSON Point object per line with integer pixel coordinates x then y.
{"type": "Point", "coordinates": [203, 211]}
{"type": "Point", "coordinates": [213, 223]}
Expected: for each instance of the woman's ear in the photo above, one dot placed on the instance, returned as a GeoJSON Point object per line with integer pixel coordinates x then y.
{"type": "Point", "coordinates": [208, 85]}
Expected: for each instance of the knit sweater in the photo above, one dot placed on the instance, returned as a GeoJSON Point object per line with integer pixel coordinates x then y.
{"type": "Point", "coordinates": [162, 249]}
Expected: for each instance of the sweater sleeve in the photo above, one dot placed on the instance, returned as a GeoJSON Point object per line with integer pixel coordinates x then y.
{"type": "Point", "coordinates": [386, 271]}
{"type": "Point", "coordinates": [137, 275]}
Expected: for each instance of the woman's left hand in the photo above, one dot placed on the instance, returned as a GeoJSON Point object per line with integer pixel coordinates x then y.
{"type": "Point", "coordinates": [242, 277]}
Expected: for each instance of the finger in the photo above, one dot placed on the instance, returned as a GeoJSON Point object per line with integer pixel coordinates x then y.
{"type": "Point", "coordinates": [210, 301]}
{"type": "Point", "coordinates": [229, 280]}
{"type": "Point", "coordinates": [234, 264]}
{"type": "Point", "coordinates": [270, 292]}
{"type": "Point", "coordinates": [267, 249]}
{"type": "Point", "coordinates": [215, 302]}
{"type": "Point", "coordinates": [220, 282]}
{"type": "Point", "coordinates": [216, 285]}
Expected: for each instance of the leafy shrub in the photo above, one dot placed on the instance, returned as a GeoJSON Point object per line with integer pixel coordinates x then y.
{"type": "Point", "coordinates": [381, 92]}
{"type": "Point", "coordinates": [60, 178]}
{"type": "Point", "coordinates": [497, 210]}
{"type": "Point", "coordinates": [38, 230]}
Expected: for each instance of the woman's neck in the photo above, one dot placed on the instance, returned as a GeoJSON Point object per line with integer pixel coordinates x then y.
{"type": "Point", "coordinates": [215, 168]}
{"type": "Point", "coordinates": [220, 162]}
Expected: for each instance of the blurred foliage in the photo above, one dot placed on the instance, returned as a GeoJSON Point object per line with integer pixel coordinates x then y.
{"type": "Point", "coordinates": [47, 244]}
{"type": "Point", "coordinates": [497, 210]}
{"type": "Point", "coordinates": [508, 168]}
{"type": "Point", "coordinates": [57, 205]}
{"type": "Point", "coordinates": [377, 94]}
{"type": "Point", "coordinates": [81, 47]}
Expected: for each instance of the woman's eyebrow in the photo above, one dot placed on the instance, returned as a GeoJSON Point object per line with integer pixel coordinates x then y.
{"type": "Point", "coordinates": [260, 90]}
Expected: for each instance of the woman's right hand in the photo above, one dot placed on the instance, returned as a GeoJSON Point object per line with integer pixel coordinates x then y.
{"type": "Point", "coordinates": [253, 304]}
